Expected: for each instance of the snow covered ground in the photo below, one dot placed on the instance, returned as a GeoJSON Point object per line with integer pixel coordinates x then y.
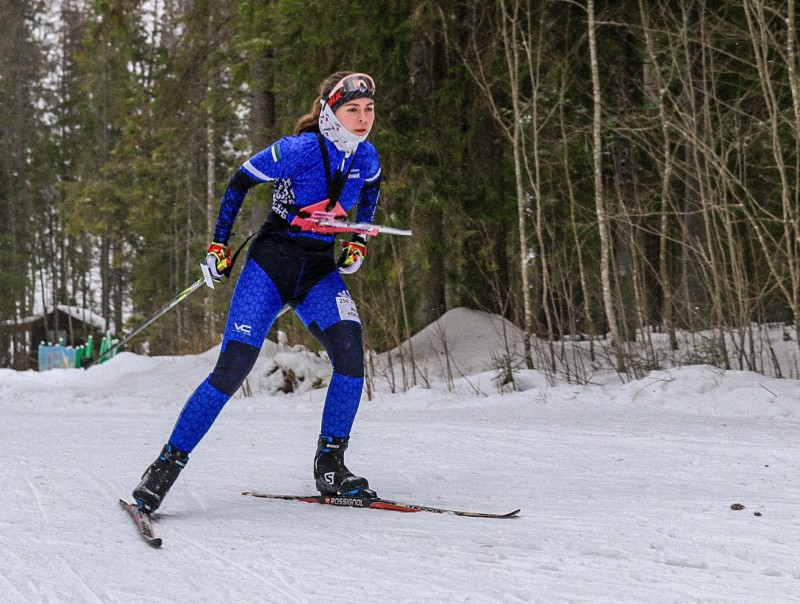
{"type": "Point", "coordinates": [625, 489]}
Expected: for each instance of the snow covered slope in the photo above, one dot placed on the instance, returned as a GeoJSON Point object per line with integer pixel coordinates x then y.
{"type": "Point", "coordinates": [626, 489]}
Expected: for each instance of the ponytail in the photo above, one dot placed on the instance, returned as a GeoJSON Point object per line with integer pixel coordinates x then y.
{"type": "Point", "coordinates": [310, 121]}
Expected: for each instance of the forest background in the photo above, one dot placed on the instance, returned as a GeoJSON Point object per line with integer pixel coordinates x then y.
{"type": "Point", "coordinates": [586, 169]}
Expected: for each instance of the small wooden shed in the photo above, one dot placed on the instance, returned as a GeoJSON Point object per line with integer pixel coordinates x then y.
{"type": "Point", "coordinates": [20, 339]}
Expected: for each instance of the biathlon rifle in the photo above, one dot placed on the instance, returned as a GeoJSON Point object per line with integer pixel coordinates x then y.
{"type": "Point", "coordinates": [320, 221]}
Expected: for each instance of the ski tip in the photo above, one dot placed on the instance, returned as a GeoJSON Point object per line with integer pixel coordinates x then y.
{"type": "Point", "coordinates": [142, 521]}
{"type": "Point", "coordinates": [512, 514]}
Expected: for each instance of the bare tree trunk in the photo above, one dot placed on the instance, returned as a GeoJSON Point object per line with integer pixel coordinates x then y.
{"type": "Point", "coordinates": [262, 111]}
{"type": "Point", "coordinates": [532, 49]}
{"type": "Point", "coordinates": [793, 243]}
{"type": "Point", "coordinates": [430, 302]}
{"type": "Point", "coordinates": [624, 245]}
{"type": "Point", "coordinates": [105, 276]}
{"type": "Point", "coordinates": [656, 90]}
{"type": "Point", "coordinates": [697, 308]}
{"type": "Point", "coordinates": [602, 217]}
{"type": "Point", "coordinates": [262, 121]}
{"type": "Point", "coordinates": [211, 210]}
{"type": "Point", "coordinates": [510, 45]}
{"type": "Point", "coordinates": [118, 260]}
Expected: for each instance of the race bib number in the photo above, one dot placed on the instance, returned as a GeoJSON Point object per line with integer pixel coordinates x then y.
{"type": "Point", "coordinates": [347, 307]}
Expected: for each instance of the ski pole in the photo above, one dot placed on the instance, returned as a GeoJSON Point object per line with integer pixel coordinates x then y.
{"type": "Point", "coordinates": [206, 278]}
{"type": "Point", "coordinates": [88, 362]}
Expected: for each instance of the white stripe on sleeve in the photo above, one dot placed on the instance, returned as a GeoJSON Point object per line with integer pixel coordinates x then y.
{"type": "Point", "coordinates": [255, 172]}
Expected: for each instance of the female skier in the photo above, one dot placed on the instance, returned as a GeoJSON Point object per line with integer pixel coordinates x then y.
{"type": "Point", "coordinates": [326, 166]}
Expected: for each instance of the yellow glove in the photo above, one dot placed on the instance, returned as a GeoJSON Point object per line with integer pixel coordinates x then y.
{"type": "Point", "coordinates": [218, 260]}
{"type": "Point", "coordinates": [353, 254]}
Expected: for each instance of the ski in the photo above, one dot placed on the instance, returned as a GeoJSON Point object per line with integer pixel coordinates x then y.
{"type": "Point", "coordinates": [377, 503]}
{"type": "Point", "coordinates": [143, 522]}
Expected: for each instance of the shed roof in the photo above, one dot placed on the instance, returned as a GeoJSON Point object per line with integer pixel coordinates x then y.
{"type": "Point", "coordinates": [77, 313]}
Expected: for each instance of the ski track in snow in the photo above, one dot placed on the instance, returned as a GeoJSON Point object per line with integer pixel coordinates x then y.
{"type": "Point", "coordinates": [625, 490]}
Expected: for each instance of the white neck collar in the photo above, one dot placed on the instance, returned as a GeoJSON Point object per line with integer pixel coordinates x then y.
{"type": "Point", "coordinates": [332, 129]}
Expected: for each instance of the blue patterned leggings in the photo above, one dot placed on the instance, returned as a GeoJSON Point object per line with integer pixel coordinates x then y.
{"type": "Point", "coordinates": [275, 274]}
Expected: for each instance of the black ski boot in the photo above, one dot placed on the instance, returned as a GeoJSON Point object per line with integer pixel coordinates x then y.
{"type": "Point", "coordinates": [159, 477]}
{"type": "Point", "coordinates": [332, 476]}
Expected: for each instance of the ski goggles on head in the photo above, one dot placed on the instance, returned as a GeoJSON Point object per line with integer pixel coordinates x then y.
{"type": "Point", "coordinates": [350, 87]}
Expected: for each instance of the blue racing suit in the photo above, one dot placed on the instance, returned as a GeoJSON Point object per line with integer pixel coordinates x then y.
{"type": "Point", "coordinates": [285, 265]}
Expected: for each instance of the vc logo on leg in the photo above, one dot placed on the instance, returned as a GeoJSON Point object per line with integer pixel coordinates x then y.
{"type": "Point", "coordinates": [243, 328]}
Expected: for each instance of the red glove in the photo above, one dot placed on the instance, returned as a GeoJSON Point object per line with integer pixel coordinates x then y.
{"type": "Point", "coordinates": [218, 260]}
{"type": "Point", "coordinates": [353, 254]}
